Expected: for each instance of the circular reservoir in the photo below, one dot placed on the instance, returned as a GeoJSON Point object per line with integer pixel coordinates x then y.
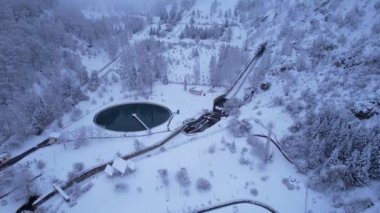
{"type": "Point", "coordinates": [120, 117]}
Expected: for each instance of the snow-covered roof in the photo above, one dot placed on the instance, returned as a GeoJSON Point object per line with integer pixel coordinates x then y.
{"type": "Point", "coordinates": [120, 164]}
{"type": "Point", "coordinates": [109, 170]}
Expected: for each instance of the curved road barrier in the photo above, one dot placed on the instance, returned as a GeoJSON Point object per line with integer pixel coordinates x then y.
{"type": "Point", "coordinates": [277, 145]}
{"type": "Point", "coordinates": [237, 202]}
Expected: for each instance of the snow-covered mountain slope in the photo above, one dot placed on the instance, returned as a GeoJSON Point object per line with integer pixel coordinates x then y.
{"type": "Point", "coordinates": [321, 56]}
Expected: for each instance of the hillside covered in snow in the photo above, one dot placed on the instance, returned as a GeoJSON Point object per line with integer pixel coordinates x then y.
{"type": "Point", "coordinates": [229, 106]}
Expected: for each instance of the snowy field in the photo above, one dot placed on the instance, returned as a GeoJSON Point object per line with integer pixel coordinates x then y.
{"type": "Point", "coordinates": [201, 170]}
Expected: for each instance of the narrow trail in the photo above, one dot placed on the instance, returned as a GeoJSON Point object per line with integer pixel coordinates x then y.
{"type": "Point", "coordinates": [237, 202]}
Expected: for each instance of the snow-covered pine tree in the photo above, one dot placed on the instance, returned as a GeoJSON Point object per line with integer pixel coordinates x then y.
{"type": "Point", "coordinates": [358, 166]}
{"type": "Point", "coordinates": [374, 170]}
{"type": "Point", "coordinates": [197, 70]}
{"type": "Point", "coordinates": [94, 81]}
{"type": "Point", "coordinates": [214, 77]}
{"type": "Point", "coordinates": [41, 118]}
{"type": "Point", "coordinates": [213, 7]}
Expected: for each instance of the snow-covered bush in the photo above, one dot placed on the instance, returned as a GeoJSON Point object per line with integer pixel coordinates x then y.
{"type": "Point", "coordinates": [259, 148]}
{"type": "Point", "coordinates": [183, 178]}
{"type": "Point", "coordinates": [231, 146]}
{"type": "Point", "coordinates": [376, 28]}
{"type": "Point", "coordinates": [138, 145]}
{"type": "Point", "coordinates": [78, 167]}
{"type": "Point", "coordinates": [163, 173]}
{"type": "Point", "coordinates": [294, 108]}
{"type": "Point", "coordinates": [94, 82]}
{"type": "Point", "coordinates": [320, 48]}
{"type": "Point", "coordinates": [203, 185]}
{"type": "Point", "coordinates": [121, 187]}
{"type": "Point", "coordinates": [254, 192]}
{"type": "Point", "coordinates": [377, 6]}
{"type": "Point", "coordinates": [290, 186]}
{"type": "Point", "coordinates": [353, 18]}
{"type": "Point", "coordinates": [211, 149]}
{"type": "Point", "coordinates": [244, 161]}
{"type": "Point", "coordinates": [40, 164]}
{"type": "Point", "coordinates": [231, 106]}
{"type": "Point", "coordinates": [76, 114]}
{"type": "Point", "coordinates": [301, 64]}
{"type": "Point", "coordinates": [296, 127]}
{"type": "Point", "coordinates": [278, 101]}
{"type": "Point", "coordinates": [80, 137]}
{"type": "Point", "coordinates": [239, 128]}
{"type": "Point", "coordinates": [114, 78]}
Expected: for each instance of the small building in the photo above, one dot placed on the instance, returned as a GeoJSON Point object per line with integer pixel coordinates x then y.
{"type": "Point", "coordinates": [196, 91]}
{"type": "Point", "coordinates": [109, 170]}
{"type": "Point", "coordinates": [65, 196]}
{"type": "Point", "coordinates": [120, 165]}
{"type": "Point", "coordinates": [4, 157]}
{"type": "Point", "coordinates": [53, 138]}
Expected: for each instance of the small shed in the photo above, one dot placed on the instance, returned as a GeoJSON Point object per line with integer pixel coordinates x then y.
{"type": "Point", "coordinates": [109, 170]}
{"type": "Point", "coordinates": [120, 165]}
{"type": "Point", "coordinates": [65, 196]}
{"type": "Point", "coordinates": [53, 138]}
{"type": "Point", "coordinates": [196, 91]}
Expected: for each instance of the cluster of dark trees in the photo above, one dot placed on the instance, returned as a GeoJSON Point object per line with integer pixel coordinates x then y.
{"type": "Point", "coordinates": [203, 33]}
{"type": "Point", "coordinates": [168, 17]}
{"type": "Point", "coordinates": [40, 67]}
{"type": "Point", "coordinates": [224, 69]}
{"type": "Point", "coordinates": [338, 150]}
{"type": "Point", "coordinates": [250, 12]}
{"type": "Point", "coordinates": [40, 72]}
{"type": "Point", "coordinates": [142, 65]}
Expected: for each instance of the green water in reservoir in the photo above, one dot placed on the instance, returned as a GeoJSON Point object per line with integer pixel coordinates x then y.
{"type": "Point", "coordinates": [119, 117]}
